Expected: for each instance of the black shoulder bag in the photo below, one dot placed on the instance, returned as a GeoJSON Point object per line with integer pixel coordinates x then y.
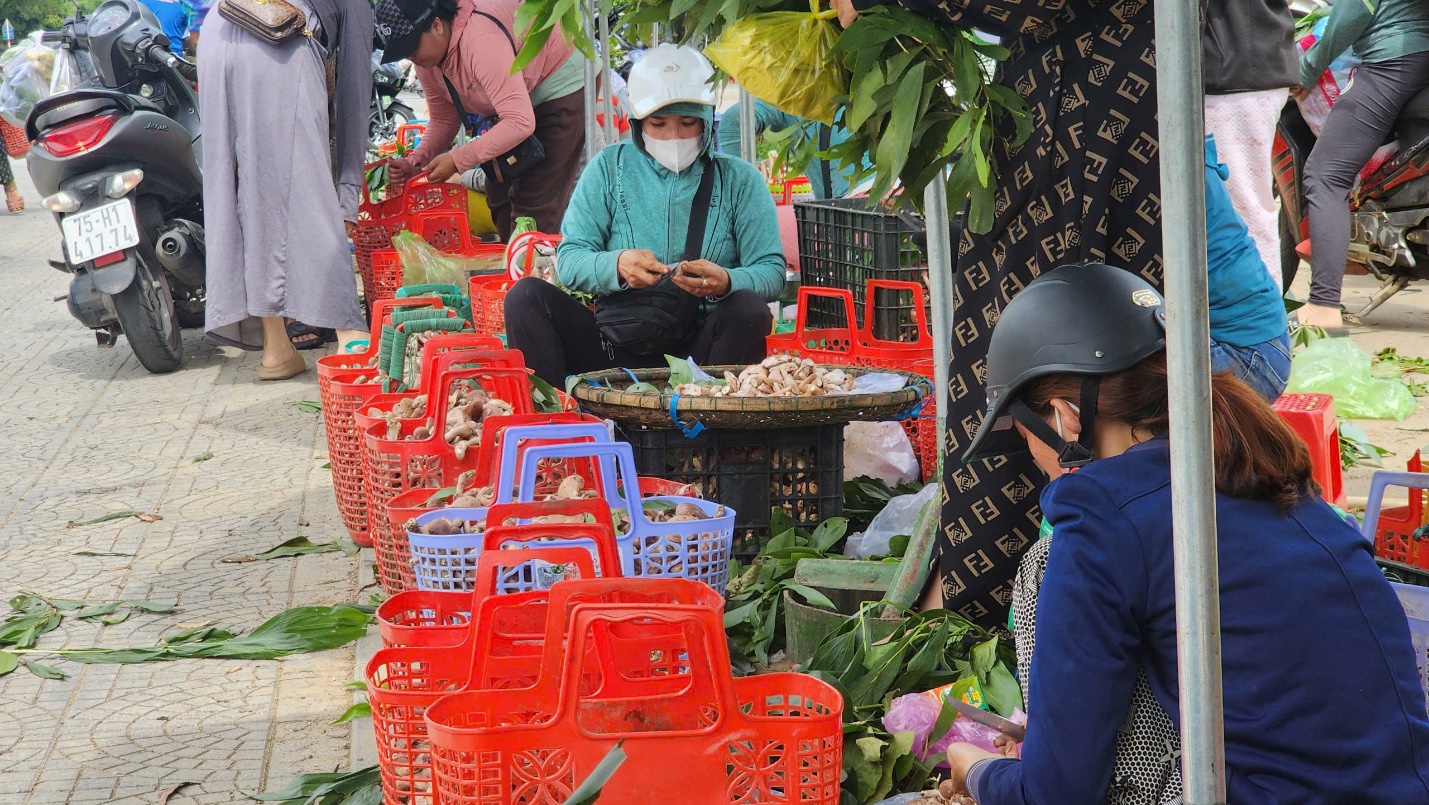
{"type": "Point", "coordinates": [660, 319]}
{"type": "Point", "coordinates": [514, 163]}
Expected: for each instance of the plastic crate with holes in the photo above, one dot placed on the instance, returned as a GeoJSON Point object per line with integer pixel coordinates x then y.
{"type": "Point", "coordinates": [799, 470]}
{"type": "Point", "coordinates": [345, 382]}
{"type": "Point", "coordinates": [659, 536]}
{"type": "Point", "coordinates": [851, 345]}
{"type": "Point", "coordinates": [529, 254]}
{"type": "Point", "coordinates": [844, 243]}
{"type": "Point", "coordinates": [655, 677]}
{"type": "Point", "coordinates": [439, 354]}
{"type": "Point", "coordinates": [435, 211]}
{"type": "Point", "coordinates": [500, 649]}
{"type": "Point", "coordinates": [417, 456]}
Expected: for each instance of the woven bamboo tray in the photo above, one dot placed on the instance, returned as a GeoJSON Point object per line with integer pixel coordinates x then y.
{"type": "Point", "coordinates": [604, 394]}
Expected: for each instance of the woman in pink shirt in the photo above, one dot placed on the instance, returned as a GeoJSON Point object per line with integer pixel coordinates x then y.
{"type": "Point", "coordinates": [469, 46]}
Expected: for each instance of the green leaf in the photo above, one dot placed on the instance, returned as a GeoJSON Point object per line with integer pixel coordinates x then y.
{"type": "Point", "coordinates": [149, 606]}
{"type": "Point", "coordinates": [829, 532]}
{"type": "Point", "coordinates": [309, 406]}
{"type": "Point", "coordinates": [355, 684]}
{"type": "Point", "coordinates": [8, 662]}
{"type": "Point", "coordinates": [1001, 691]}
{"type": "Point", "coordinates": [984, 656]}
{"type": "Point", "coordinates": [103, 518]}
{"type": "Point", "coordinates": [780, 524]}
{"type": "Point", "coordinates": [814, 597]}
{"type": "Point", "coordinates": [680, 371]}
{"type": "Point", "coordinates": [946, 717]}
{"type": "Point", "coordinates": [189, 633]}
{"type": "Point", "coordinates": [642, 388]}
{"type": "Point", "coordinates": [88, 552]}
{"type": "Point", "coordinates": [98, 610]}
{"type": "Point", "coordinates": [653, 505]}
{"type": "Point", "coordinates": [116, 618]}
{"type": "Point", "coordinates": [202, 457]}
{"type": "Point", "coordinates": [589, 789]}
{"type": "Point", "coordinates": [900, 746]}
{"type": "Point", "coordinates": [65, 604]}
{"type": "Point", "coordinates": [298, 546]}
{"type": "Point", "coordinates": [320, 789]}
{"type": "Point", "coordinates": [544, 396]}
{"type": "Point", "coordinates": [863, 772]}
{"type": "Point", "coordinates": [43, 671]}
{"type": "Point", "coordinates": [898, 545]}
{"type": "Point", "coordinates": [359, 710]}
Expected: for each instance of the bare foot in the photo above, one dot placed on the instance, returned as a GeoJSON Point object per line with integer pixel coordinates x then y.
{"type": "Point", "coordinates": [1322, 316]}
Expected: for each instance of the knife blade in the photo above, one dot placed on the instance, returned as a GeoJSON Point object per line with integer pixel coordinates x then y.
{"type": "Point", "coordinates": [1011, 729]}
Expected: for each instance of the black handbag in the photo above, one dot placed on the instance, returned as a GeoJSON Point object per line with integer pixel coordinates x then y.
{"type": "Point", "coordinates": [520, 160]}
{"type": "Point", "coordinates": [662, 318]}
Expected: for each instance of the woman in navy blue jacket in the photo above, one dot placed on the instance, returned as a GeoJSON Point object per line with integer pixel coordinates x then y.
{"type": "Point", "coordinates": [1323, 703]}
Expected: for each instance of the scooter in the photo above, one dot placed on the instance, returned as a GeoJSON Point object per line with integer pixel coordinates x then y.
{"type": "Point", "coordinates": [387, 114]}
{"type": "Point", "coordinates": [118, 162]}
{"type": "Point", "coordinates": [1389, 205]}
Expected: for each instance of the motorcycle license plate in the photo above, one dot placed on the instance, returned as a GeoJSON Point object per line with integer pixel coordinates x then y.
{"type": "Point", "coordinates": [100, 231]}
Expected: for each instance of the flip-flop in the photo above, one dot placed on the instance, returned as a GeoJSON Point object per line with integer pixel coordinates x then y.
{"type": "Point", "coordinates": [305, 336]}
{"type": "Point", "coordinates": [292, 368]}
{"type": "Point", "coordinates": [357, 346]}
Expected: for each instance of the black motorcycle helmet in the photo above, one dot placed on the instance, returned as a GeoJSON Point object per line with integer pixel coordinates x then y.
{"type": "Point", "coordinates": [1090, 320]}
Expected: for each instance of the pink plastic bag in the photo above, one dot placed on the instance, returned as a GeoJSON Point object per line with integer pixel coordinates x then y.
{"type": "Point", "coordinates": [918, 713]}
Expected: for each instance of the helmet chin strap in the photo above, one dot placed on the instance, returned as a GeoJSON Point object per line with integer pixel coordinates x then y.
{"type": "Point", "coordinates": [1070, 455]}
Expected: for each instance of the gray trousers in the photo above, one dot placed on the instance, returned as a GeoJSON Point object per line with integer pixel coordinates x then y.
{"type": "Point", "coordinates": [1362, 117]}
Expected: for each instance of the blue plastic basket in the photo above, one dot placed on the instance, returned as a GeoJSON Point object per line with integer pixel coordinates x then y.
{"type": "Point", "coordinates": [698, 550]}
{"type": "Point", "coordinates": [1416, 607]}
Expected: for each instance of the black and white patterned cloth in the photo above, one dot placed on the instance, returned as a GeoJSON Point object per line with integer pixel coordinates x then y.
{"type": "Point", "coordinates": [1147, 770]}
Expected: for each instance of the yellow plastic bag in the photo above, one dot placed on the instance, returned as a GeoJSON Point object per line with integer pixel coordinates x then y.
{"type": "Point", "coordinates": [782, 58]}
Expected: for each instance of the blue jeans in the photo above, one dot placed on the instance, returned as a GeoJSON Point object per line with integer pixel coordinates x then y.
{"type": "Point", "coordinates": [1265, 366]}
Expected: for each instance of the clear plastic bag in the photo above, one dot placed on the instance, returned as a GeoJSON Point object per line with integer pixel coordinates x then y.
{"type": "Point", "coordinates": [879, 450]}
{"type": "Point", "coordinates": [899, 517]}
{"type": "Point", "coordinates": [1336, 366]}
{"type": "Point", "coordinates": [25, 73]}
{"type": "Point", "coordinates": [424, 264]}
{"type": "Point", "coordinates": [782, 58]}
{"type": "Point", "coordinates": [66, 74]}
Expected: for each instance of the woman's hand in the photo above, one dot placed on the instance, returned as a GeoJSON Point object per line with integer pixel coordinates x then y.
{"type": "Point", "coordinates": [639, 268]}
{"type": "Point", "coordinates": [847, 13]}
{"type": "Point", "coordinates": [962, 757]}
{"type": "Point", "coordinates": [1007, 747]}
{"type": "Point", "coordinates": [442, 169]}
{"type": "Point", "coordinates": [702, 278]}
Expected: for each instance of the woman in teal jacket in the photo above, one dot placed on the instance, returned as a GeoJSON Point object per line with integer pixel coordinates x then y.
{"type": "Point", "coordinates": [625, 241]}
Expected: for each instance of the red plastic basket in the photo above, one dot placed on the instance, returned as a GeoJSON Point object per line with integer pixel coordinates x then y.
{"type": "Point", "coordinates": [914, 356]}
{"type": "Point", "coordinates": [832, 345]}
{"type": "Point", "coordinates": [1394, 532]}
{"type": "Point", "coordinates": [656, 677]}
{"type": "Point", "coordinates": [1312, 417]}
{"type": "Point", "coordinates": [501, 650]}
{"type": "Point", "coordinates": [16, 145]}
{"type": "Point", "coordinates": [397, 465]}
{"type": "Point", "coordinates": [488, 300]}
{"type": "Point", "coordinates": [378, 221]}
{"type": "Point", "coordinates": [439, 355]}
{"type": "Point", "coordinates": [341, 397]}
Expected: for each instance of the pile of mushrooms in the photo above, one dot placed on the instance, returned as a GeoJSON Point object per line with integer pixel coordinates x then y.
{"type": "Point", "coordinates": [776, 376]}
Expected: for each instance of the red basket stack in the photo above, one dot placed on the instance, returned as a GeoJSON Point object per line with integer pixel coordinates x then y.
{"type": "Point", "coordinates": [341, 395]}
{"type": "Point", "coordinates": [396, 465]}
{"type": "Point", "coordinates": [16, 145]}
{"type": "Point", "coordinates": [654, 676]}
{"type": "Point", "coordinates": [851, 346]}
{"type": "Point", "coordinates": [435, 211]}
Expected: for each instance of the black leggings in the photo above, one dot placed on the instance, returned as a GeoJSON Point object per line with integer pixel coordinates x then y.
{"type": "Point", "coordinates": [558, 335]}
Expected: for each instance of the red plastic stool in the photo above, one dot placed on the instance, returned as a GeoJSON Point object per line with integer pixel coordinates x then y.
{"type": "Point", "coordinates": [1312, 416]}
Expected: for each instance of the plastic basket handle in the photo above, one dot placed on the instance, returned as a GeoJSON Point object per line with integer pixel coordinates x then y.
{"type": "Point", "coordinates": [489, 379]}
{"type": "Point", "coordinates": [807, 292]}
{"type": "Point", "coordinates": [512, 458]}
{"type": "Point", "coordinates": [559, 535]}
{"type": "Point", "coordinates": [492, 560]}
{"type": "Point", "coordinates": [493, 431]}
{"type": "Point", "coordinates": [708, 658]}
{"type": "Point", "coordinates": [1382, 480]}
{"type": "Point", "coordinates": [441, 360]}
{"type": "Point", "coordinates": [448, 343]}
{"type": "Point", "coordinates": [636, 590]}
{"type": "Point", "coordinates": [920, 313]}
{"type": "Point", "coordinates": [617, 462]}
{"type": "Point", "coordinates": [499, 513]}
{"type": "Point", "coordinates": [383, 309]}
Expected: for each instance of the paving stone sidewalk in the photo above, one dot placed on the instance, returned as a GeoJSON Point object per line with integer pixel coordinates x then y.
{"type": "Point", "coordinates": [88, 431]}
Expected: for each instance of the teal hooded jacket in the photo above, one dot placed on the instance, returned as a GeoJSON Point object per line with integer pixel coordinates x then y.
{"type": "Point", "coordinates": [627, 200]}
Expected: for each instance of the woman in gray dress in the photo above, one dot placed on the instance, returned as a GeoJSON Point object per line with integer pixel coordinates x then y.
{"type": "Point", "coordinates": [282, 169]}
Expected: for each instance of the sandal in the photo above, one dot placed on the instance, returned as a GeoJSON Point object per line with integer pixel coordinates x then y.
{"type": "Point", "coordinates": [292, 368]}
{"type": "Point", "coordinates": [14, 202]}
{"type": "Point", "coordinates": [305, 336]}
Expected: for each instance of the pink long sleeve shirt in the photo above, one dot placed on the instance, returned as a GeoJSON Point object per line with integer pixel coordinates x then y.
{"type": "Point", "coordinates": [478, 62]}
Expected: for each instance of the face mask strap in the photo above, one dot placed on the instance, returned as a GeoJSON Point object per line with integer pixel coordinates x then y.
{"type": "Point", "coordinates": [1070, 455]}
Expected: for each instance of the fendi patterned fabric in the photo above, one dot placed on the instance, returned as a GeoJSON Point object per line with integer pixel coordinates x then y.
{"type": "Point", "coordinates": [1084, 188]}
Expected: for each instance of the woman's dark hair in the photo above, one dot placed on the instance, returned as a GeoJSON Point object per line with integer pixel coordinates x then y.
{"type": "Point", "coordinates": [1258, 456]}
{"type": "Point", "coordinates": [446, 10]}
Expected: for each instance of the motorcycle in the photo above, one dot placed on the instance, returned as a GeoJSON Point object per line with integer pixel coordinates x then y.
{"type": "Point", "coordinates": [1389, 205]}
{"type": "Point", "coordinates": [118, 162]}
{"type": "Point", "coordinates": [387, 113]}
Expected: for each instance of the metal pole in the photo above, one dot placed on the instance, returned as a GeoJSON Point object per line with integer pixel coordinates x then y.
{"type": "Point", "coordinates": [607, 98]}
{"type": "Point", "coordinates": [940, 291]}
{"type": "Point", "coordinates": [590, 81]}
{"type": "Point", "coordinates": [1180, 102]}
{"type": "Point", "coordinates": [746, 126]}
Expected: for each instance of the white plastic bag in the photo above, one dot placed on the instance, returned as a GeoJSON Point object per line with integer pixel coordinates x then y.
{"type": "Point", "coordinates": [900, 516]}
{"type": "Point", "coordinates": [25, 72]}
{"type": "Point", "coordinates": [879, 450]}
{"type": "Point", "coordinates": [1315, 106]}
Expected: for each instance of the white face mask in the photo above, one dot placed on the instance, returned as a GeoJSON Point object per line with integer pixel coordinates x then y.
{"type": "Point", "coordinates": [675, 155]}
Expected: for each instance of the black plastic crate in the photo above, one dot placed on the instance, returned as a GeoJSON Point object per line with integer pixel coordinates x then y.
{"type": "Point", "coordinates": [1404, 574]}
{"type": "Point", "coordinates": [844, 243]}
{"type": "Point", "coordinates": [800, 470]}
